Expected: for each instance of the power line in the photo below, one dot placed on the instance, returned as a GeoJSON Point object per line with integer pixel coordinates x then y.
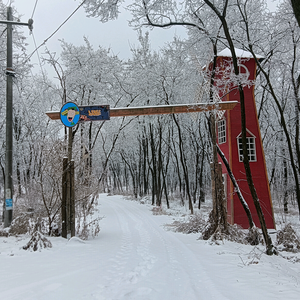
{"type": "Point", "coordinates": [34, 8]}
{"type": "Point", "coordinates": [46, 40]}
{"type": "Point", "coordinates": [37, 52]}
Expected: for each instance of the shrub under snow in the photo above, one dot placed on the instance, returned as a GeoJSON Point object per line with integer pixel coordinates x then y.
{"type": "Point", "coordinates": [288, 240]}
{"type": "Point", "coordinates": [37, 242]}
{"type": "Point", "coordinates": [197, 224]}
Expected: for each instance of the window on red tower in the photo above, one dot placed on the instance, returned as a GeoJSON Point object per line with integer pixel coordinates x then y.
{"type": "Point", "coordinates": [222, 131]}
{"type": "Point", "coordinates": [250, 148]}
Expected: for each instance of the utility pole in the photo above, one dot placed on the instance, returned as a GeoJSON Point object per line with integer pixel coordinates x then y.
{"type": "Point", "coordinates": [8, 190]}
{"type": "Point", "coordinates": [8, 187]}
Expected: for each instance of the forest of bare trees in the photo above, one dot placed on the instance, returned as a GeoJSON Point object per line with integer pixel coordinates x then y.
{"type": "Point", "coordinates": [163, 157]}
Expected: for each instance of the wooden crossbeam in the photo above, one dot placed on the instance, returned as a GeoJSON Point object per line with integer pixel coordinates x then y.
{"type": "Point", "coordinates": [160, 109]}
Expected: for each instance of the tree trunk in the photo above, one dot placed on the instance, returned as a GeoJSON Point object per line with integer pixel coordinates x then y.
{"type": "Point", "coordinates": [155, 191]}
{"type": "Point", "coordinates": [285, 180]}
{"type": "Point", "coordinates": [184, 166]}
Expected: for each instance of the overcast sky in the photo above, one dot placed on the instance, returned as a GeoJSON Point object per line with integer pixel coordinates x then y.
{"type": "Point", "coordinates": [117, 35]}
{"type": "Point", "coordinates": [50, 14]}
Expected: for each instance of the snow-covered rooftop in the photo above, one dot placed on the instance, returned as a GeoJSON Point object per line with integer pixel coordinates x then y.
{"type": "Point", "coordinates": [239, 53]}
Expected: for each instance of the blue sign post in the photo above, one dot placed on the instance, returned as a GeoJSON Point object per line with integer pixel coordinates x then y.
{"type": "Point", "coordinates": [69, 114]}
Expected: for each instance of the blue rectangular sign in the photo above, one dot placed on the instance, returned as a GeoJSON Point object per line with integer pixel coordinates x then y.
{"type": "Point", "coordinates": [8, 204]}
{"type": "Point", "coordinates": [94, 113]}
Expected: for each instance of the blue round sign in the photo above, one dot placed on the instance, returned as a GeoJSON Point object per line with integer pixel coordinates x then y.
{"type": "Point", "coordinates": [69, 114]}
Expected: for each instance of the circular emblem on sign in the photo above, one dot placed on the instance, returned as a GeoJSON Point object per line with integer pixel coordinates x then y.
{"type": "Point", "coordinates": [243, 71]}
{"type": "Point", "coordinates": [69, 114]}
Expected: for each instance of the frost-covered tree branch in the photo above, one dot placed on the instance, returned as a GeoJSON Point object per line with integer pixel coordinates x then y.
{"type": "Point", "coordinates": [105, 10]}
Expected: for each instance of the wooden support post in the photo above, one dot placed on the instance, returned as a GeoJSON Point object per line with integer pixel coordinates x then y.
{"type": "Point", "coordinates": [72, 198]}
{"type": "Point", "coordinates": [218, 195]}
{"type": "Point", "coordinates": [68, 193]}
{"type": "Point", "coordinates": [68, 198]}
{"type": "Point", "coordinates": [64, 215]}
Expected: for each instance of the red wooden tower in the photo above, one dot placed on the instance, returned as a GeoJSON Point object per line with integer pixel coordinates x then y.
{"type": "Point", "coordinates": [229, 140]}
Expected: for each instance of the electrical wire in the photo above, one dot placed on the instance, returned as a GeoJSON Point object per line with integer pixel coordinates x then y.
{"type": "Point", "coordinates": [46, 40]}
{"type": "Point", "coordinates": [36, 1]}
{"type": "Point", "coordinates": [37, 52]}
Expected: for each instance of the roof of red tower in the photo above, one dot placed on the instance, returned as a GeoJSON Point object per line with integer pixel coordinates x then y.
{"type": "Point", "coordinates": [239, 53]}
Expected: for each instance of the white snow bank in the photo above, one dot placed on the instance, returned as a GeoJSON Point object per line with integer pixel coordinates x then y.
{"type": "Point", "coordinates": [135, 257]}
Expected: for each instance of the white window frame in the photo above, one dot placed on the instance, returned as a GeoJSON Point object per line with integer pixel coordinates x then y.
{"type": "Point", "coordinates": [251, 147]}
{"type": "Point", "coordinates": [221, 124]}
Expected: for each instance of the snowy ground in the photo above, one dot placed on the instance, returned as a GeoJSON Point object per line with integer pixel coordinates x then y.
{"type": "Point", "coordinates": [135, 257]}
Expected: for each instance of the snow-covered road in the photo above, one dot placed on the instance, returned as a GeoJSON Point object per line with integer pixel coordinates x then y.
{"type": "Point", "coordinates": [135, 257]}
{"type": "Point", "coordinates": [146, 261]}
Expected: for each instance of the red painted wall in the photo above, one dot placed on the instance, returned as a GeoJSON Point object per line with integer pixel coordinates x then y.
{"type": "Point", "coordinates": [236, 212]}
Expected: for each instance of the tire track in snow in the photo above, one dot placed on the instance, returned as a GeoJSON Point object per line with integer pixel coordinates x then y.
{"type": "Point", "coordinates": [117, 263]}
{"type": "Point", "coordinates": [121, 272]}
{"type": "Point", "coordinates": [144, 259]}
{"type": "Point", "coordinates": [182, 263]}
